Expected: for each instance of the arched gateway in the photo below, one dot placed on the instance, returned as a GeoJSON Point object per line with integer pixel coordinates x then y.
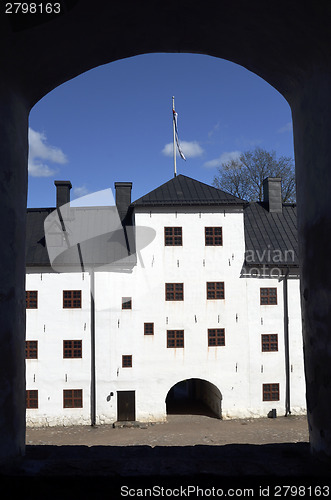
{"type": "Point", "coordinates": [286, 43]}
{"type": "Point", "coordinates": [194, 396]}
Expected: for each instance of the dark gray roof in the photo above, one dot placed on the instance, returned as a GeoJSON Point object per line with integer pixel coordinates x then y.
{"type": "Point", "coordinates": [182, 190]}
{"type": "Point", "coordinates": [271, 238]}
{"type": "Point", "coordinates": [35, 247]}
{"type": "Point", "coordinates": [115, 248]}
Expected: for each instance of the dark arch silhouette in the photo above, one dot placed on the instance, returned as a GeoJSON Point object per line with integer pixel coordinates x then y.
{"type": "Point", "coordinates": [194, 396]}
{"type": "Point", "coordinates": [285, 43]}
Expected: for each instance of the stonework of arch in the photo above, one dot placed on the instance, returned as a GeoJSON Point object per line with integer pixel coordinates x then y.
{"type": "Point", "coordinates": [285, 43]}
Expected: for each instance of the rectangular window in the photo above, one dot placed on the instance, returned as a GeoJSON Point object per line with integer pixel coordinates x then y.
{"type": "Point", "coordinates": [126, 303]}
{"type": "Point", "coordinates": [213, 236]}
{"type": "Point", "coordinates": [72, 299]}
{"type": "Point", "coordinates": [174, 291]}
{"type": "Point", "coordinates": [216, 337]}
{"type": "Point", "coordinates": [175, 338]}
{"type": "Point", "coordinates": [73, 398]}
{"type": "Point", "coordinates": [148, 328]}
{"type": "Point", "coordinates": [268, 296]}
{"type": "Point", "coordinates": [173, 236]}
{"type": "Point", "coordinates": [31, 349]}
{"type": "Point", "coordinates": [31, 298]}
{"type": "Point", "coordinates": [269, 342]}
{"type": "Point", "coordinates": [215, 290]}
{"type": "Point", "coordinates": [270, 392]}
{"type": "Point", "coordinates": [72, 349]}
{"type": "Point", "coordinates": [32, 399]}
{"type": "Point", "coordinates": [127, 361]}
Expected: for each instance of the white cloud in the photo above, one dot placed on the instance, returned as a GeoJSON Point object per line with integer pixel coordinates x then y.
{"type": "Point", "coordinates": [214, 129]}
{"type": "Point", "coordinates": [287, 128]}
{"type": "Point", "coordinates": [190, 149]}
{"type": "Point", "coordinates": [40, 152]}
{"type": "Point", "coordinates": [80, 191]}
{"type": "Point", "coordinates": [224, 158]}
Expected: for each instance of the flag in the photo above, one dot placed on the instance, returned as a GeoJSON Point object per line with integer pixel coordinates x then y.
{"type": "Point", "coordinates": [175, 115]}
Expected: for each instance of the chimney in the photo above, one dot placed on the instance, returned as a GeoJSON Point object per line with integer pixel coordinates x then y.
{"type": "Point", "coordinates": [62, 192]}
{"type": "Point", "coordinates": [272, 194]}
{"type": "Point", "coordinates": [123, 199]}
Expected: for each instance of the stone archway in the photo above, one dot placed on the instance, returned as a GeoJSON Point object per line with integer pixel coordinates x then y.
{"type": "Point", "coordinates": [287, 44]}
{"type": "Point", "coordinates": [194, 396]}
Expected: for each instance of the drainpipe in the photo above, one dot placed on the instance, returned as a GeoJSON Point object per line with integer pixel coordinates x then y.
{"type": "Point", "coordinates": [286, 343]}
{"type": "Point", "coordinates": [93, 391]}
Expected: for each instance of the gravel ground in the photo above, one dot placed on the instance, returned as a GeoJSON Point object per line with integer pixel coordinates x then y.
{"type": "Point", "coordinates": [179, 430]}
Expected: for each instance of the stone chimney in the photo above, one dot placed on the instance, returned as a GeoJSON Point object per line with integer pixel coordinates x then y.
{"type": "Point", "coordinates": [272, 194]}
{"type": "Point", "coordinates": [123, 200]}
{"type": "Point", "coordinates": [62, 192]}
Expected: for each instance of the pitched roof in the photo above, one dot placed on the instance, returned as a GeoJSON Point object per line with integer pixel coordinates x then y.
{"type": "Point", "coordinates": [113, 247]}
{"type": "Point", "coordinates": [271, 238]}
{"type": "Point", "coordinates": [182, 190]}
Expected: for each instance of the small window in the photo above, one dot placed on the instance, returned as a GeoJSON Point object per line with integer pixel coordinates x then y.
{"type": "Point", "coordinates": [127, 361]}
{"type": "Point", "coordinates": [268, 296]}
{"type": "Point", "coordinates": [73, 398]}
{"type": "Point", "coordinates": [175, 338]}
{"type": "Point", "coordinates": [148, 328]}
{"type": "Point", "coordinates": [32, 399]}
{"type": "Point", "coordinates": [72, 348]}
{"type": "Point", "coordinates": [174, 291]}
{"type": "Point", "coordinates": [213, 236]}
{"type": "Point", "coordinates": [216, 337]}
{"type": "Point", "coordinates": [72, 299]}
{"type": "Point", "coordinates": [215, 290]}
{"type": "Point", "coordinates": [173, 236]}
{"type": "Point", "coordinates": [31, 298]}
{"type": "Point", "coordinates": [31, 349]}
{"type": "Point", "coordinates": [126, 303]}
{"type": "Point", "coordinates": [269, 342]}
{"type": "Point", "coordinates": [270, 392]}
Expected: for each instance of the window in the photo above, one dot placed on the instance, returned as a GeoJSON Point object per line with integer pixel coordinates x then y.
{"type": "Point", "coordinates": [127, 361]}
{"type": "Point", "coordinates": [215, 290]}
{"type": "Point", "coordinates": [31, 399]}
{"type": "Point", "coordinates": [72, 299]}
{"type": "Point", "coordinates": [268, 296]}
{"type": "Point", "coordinates": [269, 342]}
{"type": "Point", "coordinates": [148, 328]}
{"type": "Point", "coordinates": [213, 236]}
{"type": "Point", "coordinates": [73, 398]}
{"type": "Point", "coordinates": [126, 303]}
{"type": "Point", "coordinates": [216, 337]}
{"type": "Point", "coordinates": [31, 298]}
{"type": "Point", "coordinates": [270, 392]}
{"type": "Point", "coordinates": [174, 291]}
{"type": "Point", "coordinates": [175, 338]}
{"type": "Point", "coordinates": [173, 236]}
{"type": "Point", "coordinates": [31, 349]}
{"type": "Point", "coordinates": [72, 348]}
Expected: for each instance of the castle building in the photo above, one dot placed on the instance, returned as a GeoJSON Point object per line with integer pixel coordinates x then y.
{"type": "Point", "coordinates": [187, 291]}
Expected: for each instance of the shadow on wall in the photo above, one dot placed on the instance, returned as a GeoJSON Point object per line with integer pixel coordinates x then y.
{"type": "Point", "coordinates": [63, 470]}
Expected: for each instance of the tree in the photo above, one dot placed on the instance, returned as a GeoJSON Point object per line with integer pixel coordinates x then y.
{"type": "Point", "coordinates": [244, 176]}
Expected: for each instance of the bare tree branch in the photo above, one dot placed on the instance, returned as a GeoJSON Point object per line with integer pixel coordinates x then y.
{"type": "Point", "coordinates": [244, 177]}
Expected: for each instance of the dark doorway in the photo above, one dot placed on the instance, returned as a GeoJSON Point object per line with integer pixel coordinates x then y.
{"type": "Point", "coordinates": [194, 397]}
{"type": "Point", "coordinates": [126, 406]}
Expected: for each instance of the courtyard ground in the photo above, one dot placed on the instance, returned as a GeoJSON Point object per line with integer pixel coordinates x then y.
{"type": "Point", "coordinates": [187, 451]}
{"type": "Point", "coordinates": [179, 430]}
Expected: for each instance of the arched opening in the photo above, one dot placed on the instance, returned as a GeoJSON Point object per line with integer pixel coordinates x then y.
{"type": "Point", "coordinates": [194, 397]}
{"type": "Point", "coordinates": [281, 60]}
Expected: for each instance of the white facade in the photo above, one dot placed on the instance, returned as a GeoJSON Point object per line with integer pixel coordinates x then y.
{"type": "Point", "coordinates": [235, 372]}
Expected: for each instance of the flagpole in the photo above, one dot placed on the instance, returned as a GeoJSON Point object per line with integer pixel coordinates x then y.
{"type": "Point", "coordinates": [174, 134]}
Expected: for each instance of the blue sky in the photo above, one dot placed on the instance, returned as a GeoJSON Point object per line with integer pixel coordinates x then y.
{"type": "Point", "coordinates": [114, 123]}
